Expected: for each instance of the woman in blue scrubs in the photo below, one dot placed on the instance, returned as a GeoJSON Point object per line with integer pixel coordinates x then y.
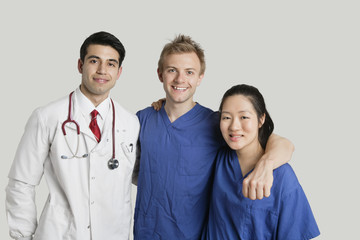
{"type": "Point", "coordinates": [246, 126]}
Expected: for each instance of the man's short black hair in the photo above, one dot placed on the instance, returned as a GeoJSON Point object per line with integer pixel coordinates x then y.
{"type": "Point", "coordinates": [105, 39]}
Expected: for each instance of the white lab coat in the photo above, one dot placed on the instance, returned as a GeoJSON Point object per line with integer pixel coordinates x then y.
{"type": "Point", "coordinates": [86, 199]}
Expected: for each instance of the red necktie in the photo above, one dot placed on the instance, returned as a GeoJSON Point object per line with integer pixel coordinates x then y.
{"type": "Point", "coordinates": [94, 126]}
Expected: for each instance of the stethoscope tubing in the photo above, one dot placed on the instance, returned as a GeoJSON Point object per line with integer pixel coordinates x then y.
{"type": "Point", "coordinates": [112, 163]}
{"type": "Point", "coordinates": [69, 120]}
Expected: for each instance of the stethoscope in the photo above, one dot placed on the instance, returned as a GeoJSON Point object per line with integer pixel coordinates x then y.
{"type": "Point", "coordinates": [112, 163]}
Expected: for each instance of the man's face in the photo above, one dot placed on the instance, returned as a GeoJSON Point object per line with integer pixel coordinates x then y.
{"type": "Point", "coordinates": [180, 77]}
{"type": "Point", "coordinates": [100, 70]}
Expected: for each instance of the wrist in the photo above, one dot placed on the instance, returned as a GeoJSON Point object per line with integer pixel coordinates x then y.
{"type": "Point", "coordinates": [267, 162]}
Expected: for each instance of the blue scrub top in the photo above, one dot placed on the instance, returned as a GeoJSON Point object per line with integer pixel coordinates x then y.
{"type": "Point", "coordinates": [286, 214]}
{"type": "Point", "coordinates": [176, 171]}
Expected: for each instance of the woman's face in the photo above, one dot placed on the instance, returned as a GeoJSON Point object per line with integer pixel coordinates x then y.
{"type": "Point", "coordinates": [239, 123]}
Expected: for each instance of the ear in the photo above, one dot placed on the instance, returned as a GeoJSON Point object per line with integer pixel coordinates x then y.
{"type": "Point", "coordinates": [262, 120]}
{"type": "Point", "coordinates": [119, 73]}
{"type": "Point", "coordinates": [80, 65]}
{"type": "Point", "coordinates": [160, 75]}
{"type": "Point", "coordinates": [200, 79]}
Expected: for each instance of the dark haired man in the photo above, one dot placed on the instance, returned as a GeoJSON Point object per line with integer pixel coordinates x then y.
{"type": "Point", "coordinates": [87, 157]}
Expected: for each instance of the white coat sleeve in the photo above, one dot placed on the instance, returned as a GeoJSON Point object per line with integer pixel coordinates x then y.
{"type": "Point", "coordinates": [21, 197]}
{"type": "Point", "coordinates": [25, 173]}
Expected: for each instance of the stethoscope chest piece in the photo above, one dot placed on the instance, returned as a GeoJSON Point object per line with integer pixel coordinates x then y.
{"type": "Point", "coordinates": [113, 163]}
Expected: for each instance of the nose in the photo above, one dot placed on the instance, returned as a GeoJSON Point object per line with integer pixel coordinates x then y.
{"type": "Point", "coordinates": [180, 77]}
{"type": "Point", "coordinates": [235, 125]}
{"type": "Point", "coordinates": [101, 68]}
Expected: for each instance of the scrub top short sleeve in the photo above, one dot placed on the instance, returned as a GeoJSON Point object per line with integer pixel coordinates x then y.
{"type": "Point", "coordinates": [296, 220]}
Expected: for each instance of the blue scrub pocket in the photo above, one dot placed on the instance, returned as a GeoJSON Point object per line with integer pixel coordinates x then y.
{"type": "Point", "coordinates": [260, 223]}
{"type": "Point", "coordinates": [196, 160]}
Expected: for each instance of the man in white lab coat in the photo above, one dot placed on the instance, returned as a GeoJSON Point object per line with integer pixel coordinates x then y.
{"type": "Point", "coordinates": [89, 191]}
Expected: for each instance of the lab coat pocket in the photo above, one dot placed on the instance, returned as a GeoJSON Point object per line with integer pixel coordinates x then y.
{"type": "Point", "coordinates": [196, 160]}
{"type": "Point", "coordinates": [128, 152]}
{"type": "Point", "coordinates": [125, 154]}
{"type": "Point", "coordinates": [55, 222]}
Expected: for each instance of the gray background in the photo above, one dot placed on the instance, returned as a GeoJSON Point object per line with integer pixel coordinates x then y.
{"type": "Point", "coordinates": [302, 55]}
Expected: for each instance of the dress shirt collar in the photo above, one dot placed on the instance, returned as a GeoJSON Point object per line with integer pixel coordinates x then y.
{"type": "Point", "coordinates": [86, 106]}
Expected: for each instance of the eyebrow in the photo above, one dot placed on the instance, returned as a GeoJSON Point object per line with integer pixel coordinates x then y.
{"type": "Point", "coordinates": [190, 68]}
{"type": "Point", "coordinates": [242, 111]}
{"type": "Point", "coordinates": [166, 67]}
{"type": "Point", "coordinates": [111, 60]}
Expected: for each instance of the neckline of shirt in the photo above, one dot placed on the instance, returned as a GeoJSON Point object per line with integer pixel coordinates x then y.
{"type": "Point", "coordinates": [183, 119]}
{"type": "Point", "coordinates": [86, 106]}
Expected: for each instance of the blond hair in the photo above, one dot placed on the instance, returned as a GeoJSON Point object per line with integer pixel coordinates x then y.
{"type": "Point", "coordinates": [182, 44]}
